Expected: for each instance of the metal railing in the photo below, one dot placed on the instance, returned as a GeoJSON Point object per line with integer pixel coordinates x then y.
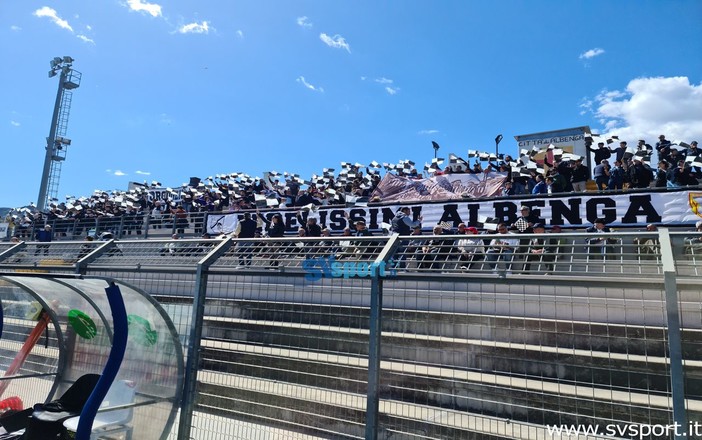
{"type": "Point", "coordinates": [418, 336]}
{"type": "Point", "coordinates": [126, 226]}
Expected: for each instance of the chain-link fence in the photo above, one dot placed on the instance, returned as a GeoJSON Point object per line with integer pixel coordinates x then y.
{"type": "Point", "coordinates": [418, 337]}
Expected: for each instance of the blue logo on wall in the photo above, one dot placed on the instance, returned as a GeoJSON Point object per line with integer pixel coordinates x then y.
{"type": "Point", "coordinates": [328, 267]}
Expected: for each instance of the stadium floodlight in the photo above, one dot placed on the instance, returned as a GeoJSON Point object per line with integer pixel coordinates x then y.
{"type": "Point", "coordinates": [63, 140]}
{"type": "Point", "coordinates": [436, 148]}
{"type": "Point", "coordinates": [56, 142]}
{"type": "Point", "coordinates": [498, 139]}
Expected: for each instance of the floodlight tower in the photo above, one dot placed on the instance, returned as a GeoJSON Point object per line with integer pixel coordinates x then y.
{"type": "Point", "coordinates": [57, 143]}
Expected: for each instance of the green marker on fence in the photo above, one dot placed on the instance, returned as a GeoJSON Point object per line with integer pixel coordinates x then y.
{"type": "Point", "coordinates": [140, 331]}
{"type": "Point", "coordinates": [82, 324]}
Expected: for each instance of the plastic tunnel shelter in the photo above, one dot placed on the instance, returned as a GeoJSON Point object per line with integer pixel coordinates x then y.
{"type": "Point", "coordinates": [56, 329]}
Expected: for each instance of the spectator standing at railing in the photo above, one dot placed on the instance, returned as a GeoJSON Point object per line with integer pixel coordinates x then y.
{"type": "Point", "coordinates": [616, 176]}
{"type": "Point", "coordinates": [541, 250]}
{"type": "Point", "coordinates": [471, 248]}
{"type": "Point", "coordinates": [640, 175]}
{"type": "Point", "coordinates": [565, 170]}
{"type": "Point", "coordinates": [540, 187]}
{"type": "Point", "coordinates": [601, 174]}
{"type": "Point", "coordinates": [43, 236]}
{"type": "Point", "coordinates": [531, 182]}
{"type": "Point", "coordinates": [181, 219]}
{"type": "Point", "coordinates": [402, 222]}
{"type": "Point", "coordinates": [157, 214]}
{"type": "Point", "coordinates": [682, 175]}
{"type": "Point", "coordinates": [662, 175]}
{"type": "Point", "coordinates": [599, 245]}
{"type": "Point", "coordinates": [436, 251]}
{"type": "Point", "coordinates": [246, 228]}
{"type": "Point", "coordinates": [579, 176]}
{"type": "Point", "coordinates": [647, 247]}
{"type": "Point", "coordinates": [312, 228]}
{"type": "Point", "coordinates": [559, 183]}
{"type": "Point", "coordinates": [501, 248]}
{"type": "Point", "coordinates": [275, 228]}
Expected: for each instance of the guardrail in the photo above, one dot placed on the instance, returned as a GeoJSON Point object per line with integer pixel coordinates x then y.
{"type": "Point", "coordinates": [417, 337]}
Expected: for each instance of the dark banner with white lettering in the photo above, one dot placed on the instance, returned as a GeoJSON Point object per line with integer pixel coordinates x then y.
{"type": "Point", "coordinates": [571, 210]}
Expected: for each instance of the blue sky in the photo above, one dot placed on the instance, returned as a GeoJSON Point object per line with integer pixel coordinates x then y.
{"type": "Point", "coordinates": [173, 89]}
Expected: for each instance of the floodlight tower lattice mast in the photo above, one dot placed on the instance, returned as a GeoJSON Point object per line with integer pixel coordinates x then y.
{"type": "Point", "coordinates": [57, 143]}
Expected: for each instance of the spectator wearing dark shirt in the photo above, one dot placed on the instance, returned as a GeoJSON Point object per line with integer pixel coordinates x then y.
{"type": "Point", "coordinates": [620, 151]}
{"type": "Point", "coordinates": [579, 176]}
{"type": "Point", "coordinates": [43, 236]}
{"type": "Point", "coordinates": [601, 174]}
{"type": "Point", "coordinates": [662, 175]}
{"type": "Point", "coordinates": [662, 146]}
{"type": "Point", "coordinates": [616, 176]}
{"type": "Point", "coordinates": [540, 187]}
{"type": "Point", "coordinates": [639, 174]}
{"type": "Point", "coordinates": [601, 153]}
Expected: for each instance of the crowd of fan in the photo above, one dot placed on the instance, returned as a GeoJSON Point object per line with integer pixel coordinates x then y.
{"type": "Point", "coordinates": [678, 165]}
{"type": "Point", "coordinates": [496, 248]}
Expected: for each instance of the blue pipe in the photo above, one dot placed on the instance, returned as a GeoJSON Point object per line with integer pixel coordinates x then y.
{"type": "Point", "coordinates": [114, 361]}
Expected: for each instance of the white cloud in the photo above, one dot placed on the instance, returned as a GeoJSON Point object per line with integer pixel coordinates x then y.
{"type": "Point", "coordinates": [85, 39]}
{"type": "Point", "coordinates": [152, 9]}
{"type": "Point", "coordinates": [337, 41]}
{"type": "Point", "coordinates": [592, 53]}
{"type": "Point", "coordinates": [195, 28]}
{"type": "Point", "coordinates": [143, 173]}
{"type": "Point", "coordinates": [392, 90]}
{"type": "Point", "coordinates": [88, 27]}
{"type": "Point", "coordinates": [427, 131]}
{"type": "Point", "coordinates": [304, 22]}
{"type": "Point", "coordinates": [53, 16]}
{"type": "Point", "coordinates": [301, 80]}
{"type": "Point", "coordinates": [383, 80]}
{"type": "Point", "coordinates": [165, 119]}
{"type": "Point", "coordinates": [240, 33]}
{"type": "Point", "coordinates": [15, 123]}
{"type": "Point", "coordinates": [119, 173]}
{"type": "Point", "coordinates": [15, 28]}
{"type": "Point", "coordinates": [650, 107]}
{"type": "Point", "coordinates": [363, 78]}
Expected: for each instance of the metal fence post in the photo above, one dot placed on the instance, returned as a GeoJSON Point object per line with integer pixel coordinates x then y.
{"type": "Point", "coordinates": [193, 355]}
{"type": "Point", "coordinates": [677, 375]}
{"type": "Point", "coordinates": [375, 330]}
{"type": "Point", "coordinates": [146, 222]}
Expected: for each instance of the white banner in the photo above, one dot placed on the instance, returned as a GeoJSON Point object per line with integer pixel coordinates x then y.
{"type": "Point", "coordinates": [569, 210]}
{"type": "Point", "coordinates": [222, 223]}
{"type": "Point", "coordinates": [4, 229]}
